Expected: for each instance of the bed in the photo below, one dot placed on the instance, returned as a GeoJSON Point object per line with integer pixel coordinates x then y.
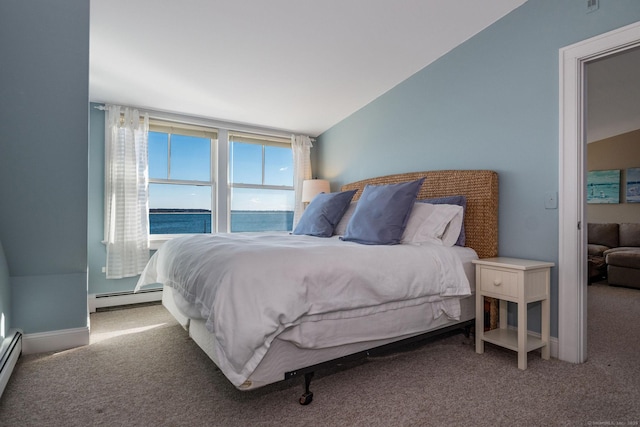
{"type": "Point", "coordinates": [294, 324]}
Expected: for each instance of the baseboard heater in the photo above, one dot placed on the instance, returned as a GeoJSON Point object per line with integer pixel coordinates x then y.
{"type": "Point", "coordinates": [10, 350]}
{"type": "Point", "coordinates": [123, 298]}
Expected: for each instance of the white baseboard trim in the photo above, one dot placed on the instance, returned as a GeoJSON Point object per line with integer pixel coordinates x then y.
{"type": "Point", "coordinates": [55, 340]}
{"type": "Point", "coordinates": [123, 298]}
{"type": "Point", "coordinates": [553, 342]}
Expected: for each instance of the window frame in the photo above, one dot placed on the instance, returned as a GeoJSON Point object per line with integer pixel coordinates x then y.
{"type": "Point", "coordinates": [176, 128]}
{"type": "Point", "coordinates": [263, 141]}
{"type": "Point", "coordinates": [220, 162]}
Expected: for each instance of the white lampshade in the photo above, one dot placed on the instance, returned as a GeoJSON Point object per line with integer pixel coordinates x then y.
{"type": "Point", "coordinates": [312, 187]}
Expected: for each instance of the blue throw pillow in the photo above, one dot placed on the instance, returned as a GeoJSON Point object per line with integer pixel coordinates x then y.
{"type": "Point", "coordinates": [382, 213]}
{"type": "Point", "coordinates": [452, 200]}
{"type": "Point", "coordinates": [324, 213]}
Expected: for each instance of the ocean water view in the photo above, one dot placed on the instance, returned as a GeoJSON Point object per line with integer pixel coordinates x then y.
{"type": "Point", "coordinates": [198, 222]}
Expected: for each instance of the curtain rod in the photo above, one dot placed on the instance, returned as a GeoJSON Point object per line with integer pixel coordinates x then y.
{"type": "Point", "coordinates": [203, 121]}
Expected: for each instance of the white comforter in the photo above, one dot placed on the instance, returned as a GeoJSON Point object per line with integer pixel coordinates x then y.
{"type": "Point", "coordinates": [252, 286]}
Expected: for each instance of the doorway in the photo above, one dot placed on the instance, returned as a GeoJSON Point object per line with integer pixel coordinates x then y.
{"type": "Point", "coordinates": [572, 268]}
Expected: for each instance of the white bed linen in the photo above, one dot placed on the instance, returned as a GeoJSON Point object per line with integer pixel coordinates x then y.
{"type": "Point", "coordinates": [284, 356]}
{"type": "Point", "coordinates": [251, 286]}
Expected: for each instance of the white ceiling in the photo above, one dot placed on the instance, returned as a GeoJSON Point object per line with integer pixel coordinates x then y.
{"type": "Point", "coordinates": [293, 65]}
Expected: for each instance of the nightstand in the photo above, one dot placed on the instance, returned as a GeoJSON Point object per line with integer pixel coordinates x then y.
{"type": "Point", "coordinates": [520, 281]}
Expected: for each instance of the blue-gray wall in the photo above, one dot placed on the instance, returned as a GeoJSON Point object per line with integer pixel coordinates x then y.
{"type": "Point", "coordinates": [491, 103]}
{"type": "Point", "coordinates": [44, 93]}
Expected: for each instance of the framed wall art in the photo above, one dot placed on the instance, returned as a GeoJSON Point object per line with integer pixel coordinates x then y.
{"type": "Point", "coordinates": [603, 186]}
{"type": "Point", "coordinates": [633, 185]}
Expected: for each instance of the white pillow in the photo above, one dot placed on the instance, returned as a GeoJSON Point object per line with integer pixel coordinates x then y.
{"type": "Point", "coordinates": [341, 227]}
{"type": "Point", "coordinates": [440, 224]}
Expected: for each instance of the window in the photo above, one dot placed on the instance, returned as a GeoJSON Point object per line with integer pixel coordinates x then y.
{"type": "Point", "coordinates": [181, 179]}
{"type": "Point", "coordinates": [184, 179]}
{"type": "Point", "coordinates": [260, 183]}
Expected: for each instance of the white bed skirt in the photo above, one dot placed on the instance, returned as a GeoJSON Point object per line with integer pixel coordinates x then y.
{"type": "Point", "coordinates": [284, 356]}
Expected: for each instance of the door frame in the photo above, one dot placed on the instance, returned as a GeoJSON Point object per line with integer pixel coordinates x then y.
{"type": "Point", "coordinates": [572, 226]}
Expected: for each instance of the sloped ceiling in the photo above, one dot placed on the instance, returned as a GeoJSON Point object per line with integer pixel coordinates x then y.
{"type": "Point", "coordinates": [293, 65]}
{"type": "Point", "coordinates": [613, 95]}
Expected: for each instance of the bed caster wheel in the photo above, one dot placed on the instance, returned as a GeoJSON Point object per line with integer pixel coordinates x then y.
{"type": "Point", "coordinates": [306, 398]}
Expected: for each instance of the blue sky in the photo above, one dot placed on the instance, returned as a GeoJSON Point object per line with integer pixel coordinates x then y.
{"type": "Point", "coordinates": [190, 160]}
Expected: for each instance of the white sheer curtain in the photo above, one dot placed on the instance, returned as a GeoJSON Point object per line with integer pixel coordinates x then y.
{"type": "Point", "coordinates": [126, 189]}
{"type": "Point", "coordinates": [301, 147]}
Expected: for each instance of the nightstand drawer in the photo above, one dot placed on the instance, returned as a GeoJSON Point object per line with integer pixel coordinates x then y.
{"type": "Point", "coordinates": [504, 283]}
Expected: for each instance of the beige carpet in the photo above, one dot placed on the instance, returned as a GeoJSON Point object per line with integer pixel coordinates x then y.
{"type": "Point", "coordinates": [141, 369]}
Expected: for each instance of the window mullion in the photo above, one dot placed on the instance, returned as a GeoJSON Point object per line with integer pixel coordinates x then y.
{"type": "Point", "coordinates": [262, 187]}
{"type": "Point", "coordinates": [169, 156]}
{"type": "Point", "coordinates": [263, 162]}
{"type": "Point", "coordinates": [178, 182]}
{"type": "Point", "coordinates": [223, 220]}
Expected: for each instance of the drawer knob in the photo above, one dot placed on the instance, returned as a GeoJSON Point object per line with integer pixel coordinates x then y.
{"type": "Point", "coordinates": [497, 282]}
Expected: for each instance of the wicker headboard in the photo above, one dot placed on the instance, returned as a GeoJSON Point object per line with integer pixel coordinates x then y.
{"type": "Point", "coordinates": [480, 187]}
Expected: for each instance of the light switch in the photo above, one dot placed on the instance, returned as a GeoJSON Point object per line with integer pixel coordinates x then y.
{"type": "Point", "coordinates": [551, 200]}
